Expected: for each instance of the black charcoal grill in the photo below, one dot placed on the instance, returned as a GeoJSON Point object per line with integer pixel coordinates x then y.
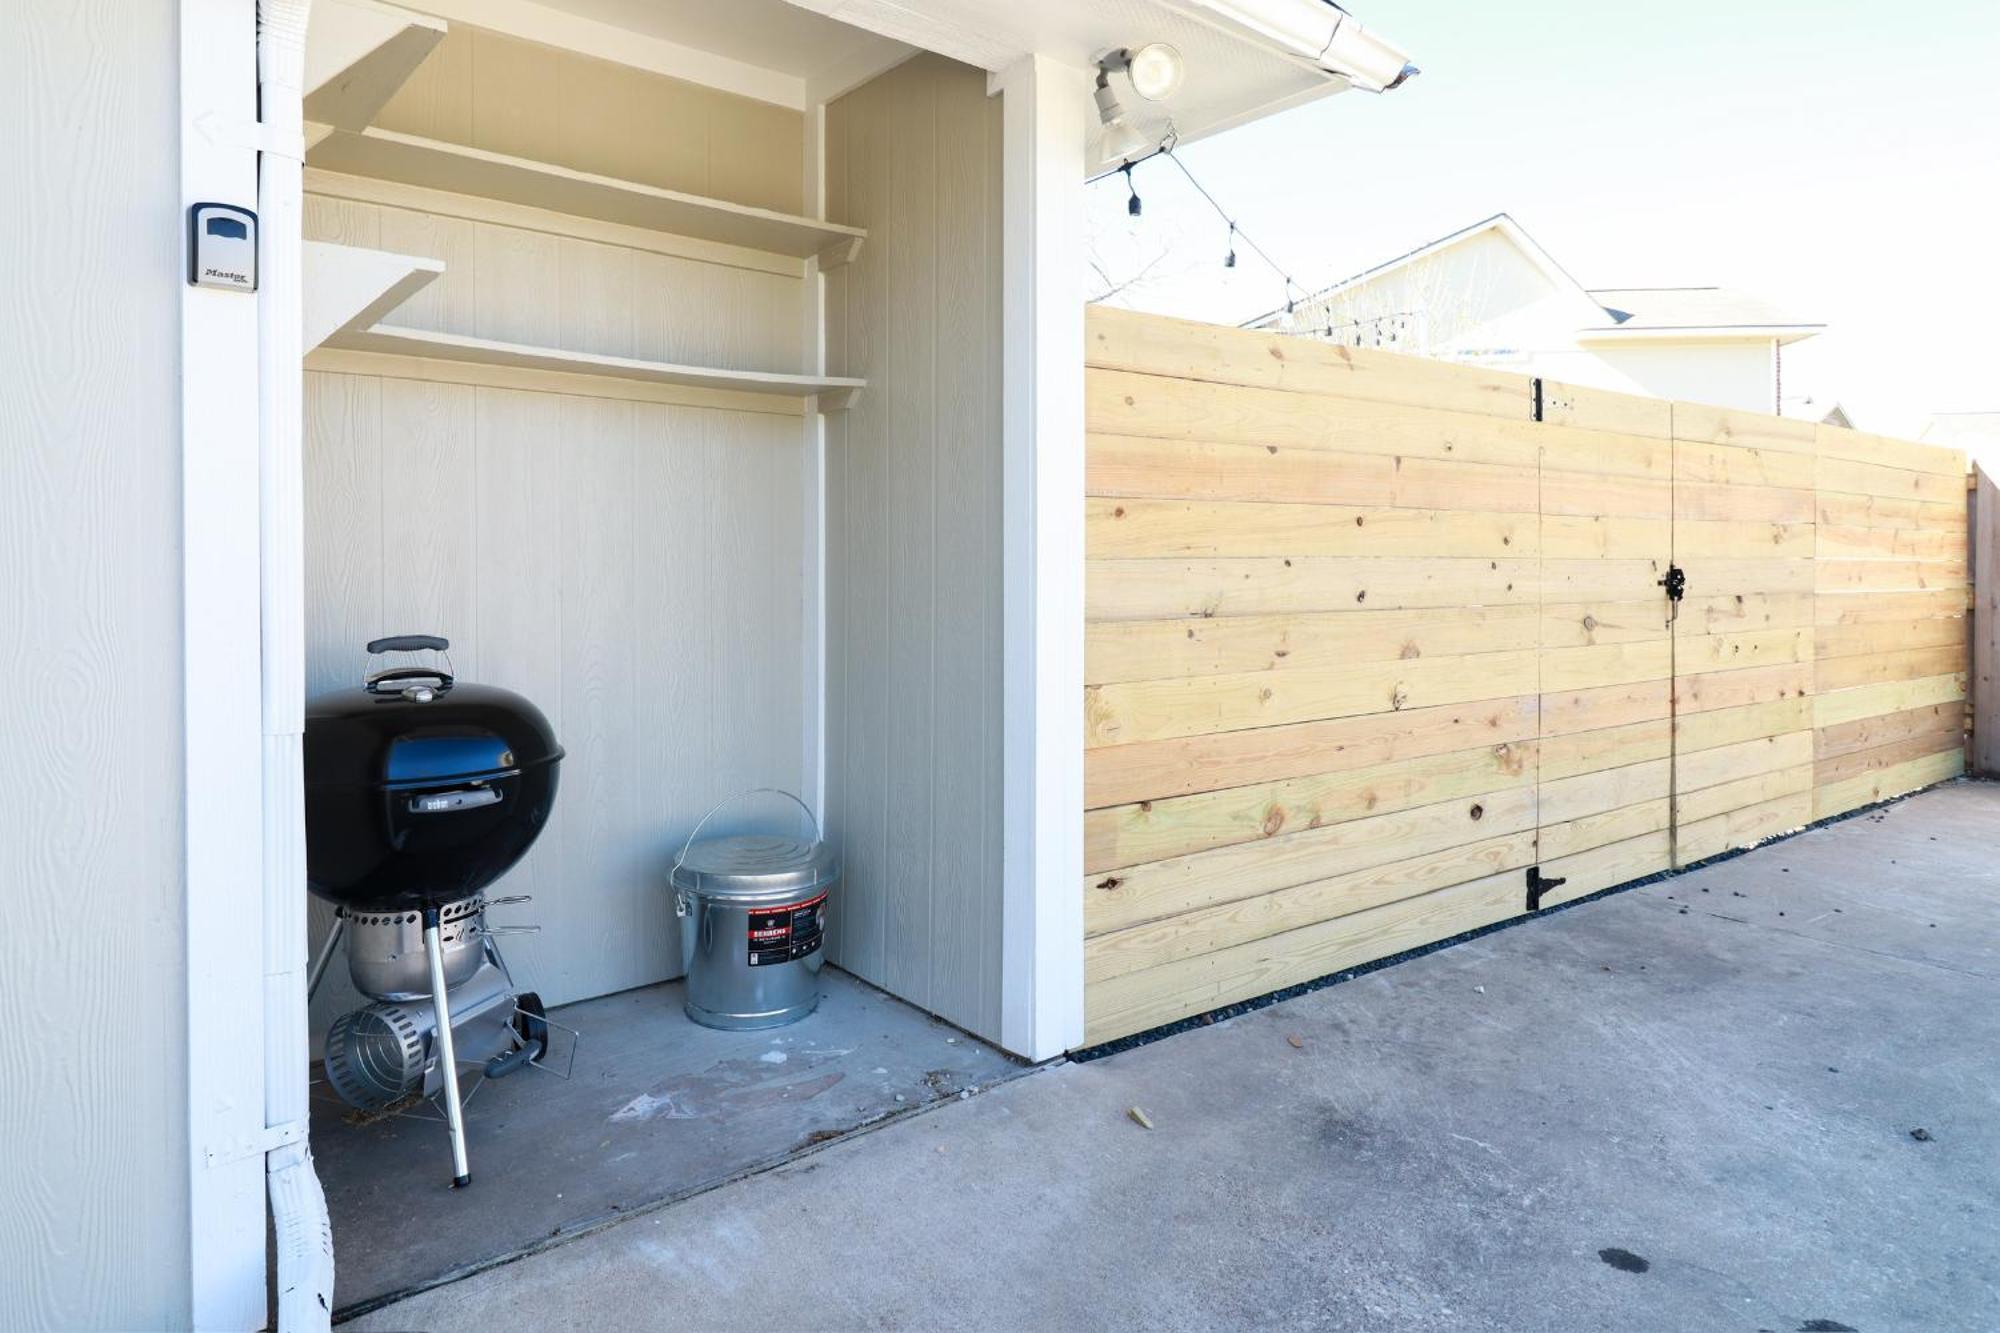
{"type": "Point", "coordinates": [420, 792]}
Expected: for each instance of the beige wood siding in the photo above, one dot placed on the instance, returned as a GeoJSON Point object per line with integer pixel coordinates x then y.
{"type": "Point", "coordinates": [913, 537]}
{"type": "Point", "coordinates": [1365, 642]}
{"type": "Point", "coordinates": [499, 93]}
{"type": "Point", "coordinates": [637, 568]}
{"type": "Point", "coordinates": [520, 284]}
{"type": "Point", "coordinates": [633, 568]}
{"type": "Point", "coordinates": [93, 1053]}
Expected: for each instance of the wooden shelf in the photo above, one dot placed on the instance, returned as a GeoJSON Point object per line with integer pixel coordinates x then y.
{"type": "Point", "coordinates": [409, 160]}
{"type": "Point", "coordinates": [349, 288]}
{"type": "Point", "coordinates": [358, 53]}
{"type": "Point", "coordinates": [393, 341]}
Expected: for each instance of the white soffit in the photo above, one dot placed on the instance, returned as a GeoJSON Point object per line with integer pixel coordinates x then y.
{"type": "Point", "coordinates": [799, 53]}
{"type": "Point", "coordinates": [1232, 75]}
{"type": "Point", "coordinates": [766, 49]}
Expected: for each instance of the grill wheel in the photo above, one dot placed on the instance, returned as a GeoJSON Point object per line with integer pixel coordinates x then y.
{"type": "Point", "coordinates": [530, 1022]}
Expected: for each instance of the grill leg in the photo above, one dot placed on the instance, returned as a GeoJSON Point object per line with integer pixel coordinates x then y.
{"type": "Point", "coordinates": [461, 1175]}
{"type": "Point", "coordinates": [325, 954]}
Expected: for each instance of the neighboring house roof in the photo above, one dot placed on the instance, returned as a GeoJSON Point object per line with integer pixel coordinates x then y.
{"type": "Point", "coordinates": [1975, 434]}
{"type": "Point", "coordinates": [1808, 408]}
{"type": "Point", "coordinates": [1608, 313]}
{"type": "Point", "coordinates": [1499, 222]}
{"type": "Point", "coordinates": [1958, 429]}
{"type": "Point", "coordinates": [1688, 311]}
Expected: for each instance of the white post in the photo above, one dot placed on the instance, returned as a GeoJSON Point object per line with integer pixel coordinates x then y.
{"type": "Point", "coordinates": [1043, 119]}
{"type": "Point", "coordinates": [223, 760]}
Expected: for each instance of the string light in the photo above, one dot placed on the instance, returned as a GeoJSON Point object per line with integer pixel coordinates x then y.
{"type": "Point", "coordinates": [1234, 231]}
{"type": "Point", "coordinates": [1132, 207]}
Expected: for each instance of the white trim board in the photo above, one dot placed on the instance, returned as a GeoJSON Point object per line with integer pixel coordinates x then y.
{"type": "Point", "coordinates": [813, 501]}
{"type": "Point", "coordinates": [1042, 487]}
{"type": "Point", "coordinates": [221, 588]}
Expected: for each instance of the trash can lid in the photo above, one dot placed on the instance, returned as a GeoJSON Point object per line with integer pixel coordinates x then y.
{"type": "Point", "coordinates": [756, 866]}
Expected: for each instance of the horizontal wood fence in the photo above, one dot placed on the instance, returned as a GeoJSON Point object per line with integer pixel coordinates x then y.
{"type": "Point", "coordinates": [1375, 646]}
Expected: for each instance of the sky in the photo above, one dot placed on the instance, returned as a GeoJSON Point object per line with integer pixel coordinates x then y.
{"type": "Point", "coordinates": [1839, 159]}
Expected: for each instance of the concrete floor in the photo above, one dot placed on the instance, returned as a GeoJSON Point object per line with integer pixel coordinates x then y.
{"type": "Point", "coordinates": [655, 1107]}
{"type": "Point", "coordinates": [1684, 1107]}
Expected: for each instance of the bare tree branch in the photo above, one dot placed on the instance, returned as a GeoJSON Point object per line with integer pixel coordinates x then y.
{"type": "Point", "coordinates": [1112, 287]}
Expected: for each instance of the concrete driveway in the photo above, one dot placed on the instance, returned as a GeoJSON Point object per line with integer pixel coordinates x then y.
{"type": "Point", "coordinates": [1690, 1106]}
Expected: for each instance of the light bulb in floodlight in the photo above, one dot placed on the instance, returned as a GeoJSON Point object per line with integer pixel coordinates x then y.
{"type": "Point", "coordinates": [1109, 112]}
{"type": "Point", "coordinates": [1121, 140]}
{"type": "Point", "coordinates": [1155, 70]}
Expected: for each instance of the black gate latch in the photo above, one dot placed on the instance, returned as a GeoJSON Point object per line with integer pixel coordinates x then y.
{"type": "Point", "coordinates": [1537, 886]}
{"type": "Point", "coordinates": [1675, 583]}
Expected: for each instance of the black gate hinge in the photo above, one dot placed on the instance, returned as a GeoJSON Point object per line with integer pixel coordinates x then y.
{"type": "Point", "coordinates": [1535, 398]}
{"type": "Point", "coordinates": [1675, 583]}
{"type": "Point", "coordinates": [1537, 886]}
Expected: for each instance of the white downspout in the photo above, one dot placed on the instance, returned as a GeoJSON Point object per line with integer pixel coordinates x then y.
{"type": "Point", "coordinates": [298, 1205]}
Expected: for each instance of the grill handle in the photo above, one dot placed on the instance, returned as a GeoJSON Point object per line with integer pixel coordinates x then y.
{"type": "Point", "coordinates": [680, 902]}
{"type": "Point", "coordinates": [409, 643]}
{"type": "Point", "coordinates": [450, 802]}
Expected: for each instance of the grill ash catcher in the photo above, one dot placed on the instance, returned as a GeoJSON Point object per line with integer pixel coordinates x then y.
{"type": "Point", "coordinates": [420, 792]}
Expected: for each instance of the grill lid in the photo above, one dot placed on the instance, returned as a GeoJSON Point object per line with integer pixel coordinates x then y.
{"type": "Point", "coordinates": [756, 866]}
{"type": "Point", "coordinates": [471, 733]}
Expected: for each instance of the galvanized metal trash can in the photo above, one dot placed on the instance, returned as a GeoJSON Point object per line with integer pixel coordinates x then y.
{"type": "Point", "coordinates": [752, 912]}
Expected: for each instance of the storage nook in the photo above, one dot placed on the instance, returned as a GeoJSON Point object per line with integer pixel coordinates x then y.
{"type": "Point", "coordinates": [676, 411]}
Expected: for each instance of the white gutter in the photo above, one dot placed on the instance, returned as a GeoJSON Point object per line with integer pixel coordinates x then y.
{"type": "Point", "coordinates": [298, 1205]}
{"type": "Point", "coordinates": [1323, 33]}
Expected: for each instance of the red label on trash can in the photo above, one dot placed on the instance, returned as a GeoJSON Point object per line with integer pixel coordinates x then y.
{"type": "Point", "coordinates": [783, 934]}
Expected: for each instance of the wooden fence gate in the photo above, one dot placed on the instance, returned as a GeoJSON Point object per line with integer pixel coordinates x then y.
{"type": "Point", "coordinates": [1381, 650]}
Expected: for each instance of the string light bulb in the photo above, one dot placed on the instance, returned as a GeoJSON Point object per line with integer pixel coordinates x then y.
{"type": "Point", "coordinates": [1134, 208]}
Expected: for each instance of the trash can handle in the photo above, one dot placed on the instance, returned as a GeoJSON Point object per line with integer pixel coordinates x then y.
{"type": "Point", "coordinates": [717, 808]}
